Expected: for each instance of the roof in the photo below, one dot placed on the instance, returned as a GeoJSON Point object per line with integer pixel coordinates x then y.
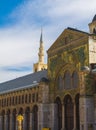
{"type": "Point", "coordinates": [94, 18]}
{"type": "Point", "coordinates": [74, 29]}
{"type": "Point", "coordinates": [26, 81]}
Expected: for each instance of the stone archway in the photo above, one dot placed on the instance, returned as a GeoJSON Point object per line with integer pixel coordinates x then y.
{"type": "Point", "coordinates": [69, 112]}
{"type": "Point", "coordinates": [35, 118]}
{"type": "Point", "coordinates": [59, 113]}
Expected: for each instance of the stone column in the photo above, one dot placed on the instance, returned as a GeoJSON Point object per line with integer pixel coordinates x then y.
{"type": "Point", "coordinates": [24, 121]}
{"type": "Point", "coordinates": [63, 117]}
{"type": "Point", "coordinates": [74, 117]}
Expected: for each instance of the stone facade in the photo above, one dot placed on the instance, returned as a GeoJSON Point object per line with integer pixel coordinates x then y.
{"type": "Point", "coordinates": [65, 97]}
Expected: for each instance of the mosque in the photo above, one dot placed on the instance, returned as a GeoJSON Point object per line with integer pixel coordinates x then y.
{"type": "Point", "coordinates": [59, 95]}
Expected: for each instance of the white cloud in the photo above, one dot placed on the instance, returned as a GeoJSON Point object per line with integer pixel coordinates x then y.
{"type": "Point", "coordinates": [19, 42]}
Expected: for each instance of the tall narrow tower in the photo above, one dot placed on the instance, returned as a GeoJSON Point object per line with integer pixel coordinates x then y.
{"type": "Point", "coordinates": [40, 65]}
{"type": "Point", "coordinates": [41, 50]}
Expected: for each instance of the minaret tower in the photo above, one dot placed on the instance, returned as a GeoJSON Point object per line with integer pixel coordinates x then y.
{"type": "Point", "coordinates": [40, 65]}
{"type": "Point", "coordinates": [41, 50]}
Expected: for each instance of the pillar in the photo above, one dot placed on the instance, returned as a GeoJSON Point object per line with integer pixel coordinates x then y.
{"type": "Point", "coordinates": [63, 117]}
{"type": "Point", "coordinates": [24, 121]}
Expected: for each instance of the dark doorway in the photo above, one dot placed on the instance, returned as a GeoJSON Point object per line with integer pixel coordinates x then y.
{"type": "Point", "coordinates": [59, 113]}
{"type": "Point", "coordinates": [77, 112]}
{"type": "Point", "coordinates": [69, 119]}
{"type": "Point", "coordinates": [35, 118]}
{"type": "Point", "coordinates": [27, 118]}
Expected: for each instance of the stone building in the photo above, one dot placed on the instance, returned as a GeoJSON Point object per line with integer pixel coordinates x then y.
{"type": "Point", "coordinates": [63, 97]}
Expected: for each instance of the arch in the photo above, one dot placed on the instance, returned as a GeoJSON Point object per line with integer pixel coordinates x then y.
{"type": "Point", "coordinates": [69, 119]}
{"type": "Point", "coordinates": [94, 30]}
{"type": "Point", "coordinates": [75, 79]}
{"type": "Point", "coordinates": [59, 113]}
{"type": "Point", "coordinates": [77, 112]}
{"type": "Point", "coordinates": [21, 111]}
{"type": "Point", "coordinates": [35, 118]}
{"type": "Point", "coordinates": [14, 119]}
{"type": "Point", "coordinates": [67, 80]}
{"type": "Point", "coordinates": [60, 82]}
{"type": "Point", "coordinates": [27, 118]}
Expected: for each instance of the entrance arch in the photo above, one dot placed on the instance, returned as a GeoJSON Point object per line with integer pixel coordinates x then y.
{"type": "Point", "coordinates": [35, 118]}
{"type": "Point", "coordinates": [69, 112]}
{"type": "Point", "coordinates": [59, 113]}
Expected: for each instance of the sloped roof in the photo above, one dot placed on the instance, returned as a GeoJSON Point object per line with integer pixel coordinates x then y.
{"type": "Point", "coordinates": [74, 29]}
{"type": "Point", "coordinates": [26, 81]}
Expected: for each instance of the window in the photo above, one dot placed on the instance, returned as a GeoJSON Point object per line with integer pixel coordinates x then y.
{"type": "Point", "coordinates": [75, 79]}
{"type": "Point", "coordinates": [60, 82]}
{"type": "Point", "coordinates": [67, 80]}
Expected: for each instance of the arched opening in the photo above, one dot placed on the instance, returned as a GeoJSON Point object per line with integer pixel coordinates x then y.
{"type": "Point", "coordinates": [60, 82]}
{"type": "Point", "coordinates": [67, 80]}
{"type": "Point", "coordinates": [94, 30]}
{"type": "Point", "coordinates": [35, 118]}
{"type": "Point", "coordinates": [27, 118]}
{"type": "Point", "coordinates": [8, 120]}
{"type": "Point", "coordinates": [75, 80]}
{"type": "Point", "coordinates": [14, 119]}
{"type": "Point", "coordinates": [77, 112]}
{"type": "Point", "coordinates": [3, 124]}
{"type": "Point", "coordinates": [59, 113]}
{"type": "Point", "coordinates": [69, 119]}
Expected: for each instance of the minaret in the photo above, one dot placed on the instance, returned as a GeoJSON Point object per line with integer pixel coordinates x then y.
{"type": "Point", "coordinates": [41, 50]}
{"type": "Point", "coordinates": [40, 65]}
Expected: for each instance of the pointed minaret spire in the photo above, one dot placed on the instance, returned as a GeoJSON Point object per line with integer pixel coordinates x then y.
{"type": "Point", "coordinates": [41, 40]}
{"type": "Point", "coordinates": [41, 50]}
{"type": "Point", "coordinates": [40, 65]}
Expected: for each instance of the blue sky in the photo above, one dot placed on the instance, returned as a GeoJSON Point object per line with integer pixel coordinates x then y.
{"type": "Point", "coordinates": [6, 7]}
{"type": "Point", "coordinates": [20, 28]}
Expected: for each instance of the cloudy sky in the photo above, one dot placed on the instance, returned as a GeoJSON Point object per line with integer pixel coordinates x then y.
{"type": "Point", "coordinates": [20, 28]}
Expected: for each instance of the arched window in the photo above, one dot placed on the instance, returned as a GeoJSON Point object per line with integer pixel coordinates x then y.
{"type": "Point", "coordinates": [60, 82]}
{"type": "Point", "coordinates": [22, 99]}
{"type": "Point", "coordinates": [75, 79]}
{"type": "Point", "coordinates": [33, 97]}
{"type": "Point", "coordinates": [67, 80]}
{"type": "Point", "coordinates": [26, 98]}
{"type": "Point", "coordinates": [94, 30]}
{"type": "Point", "coordinates": [36, 97]}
